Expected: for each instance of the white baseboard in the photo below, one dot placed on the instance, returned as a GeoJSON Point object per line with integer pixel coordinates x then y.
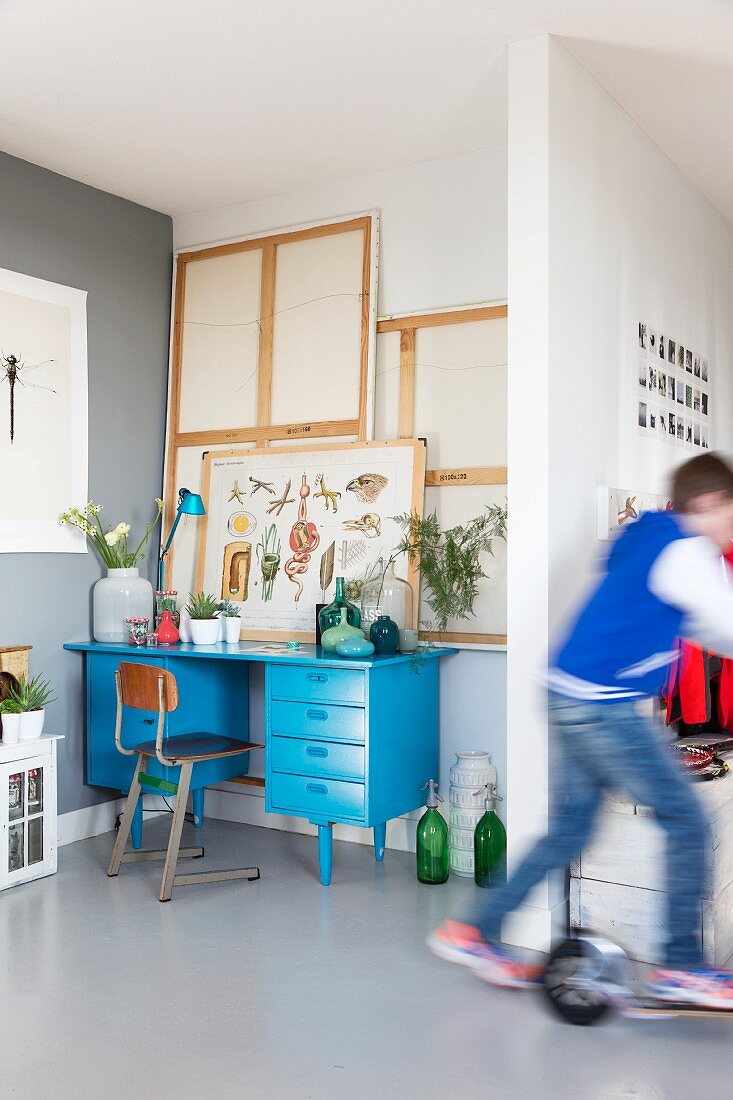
{"type": "Point", "coordinates": [94, 820]}
{"type": "Point", "coordinates": [536, 928]}
{"type": "Point", "coordinates": [234, 802]}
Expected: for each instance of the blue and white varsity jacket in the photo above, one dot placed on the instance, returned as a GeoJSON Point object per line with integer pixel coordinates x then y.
{"type": "Point", "coordinates": [623, 641]}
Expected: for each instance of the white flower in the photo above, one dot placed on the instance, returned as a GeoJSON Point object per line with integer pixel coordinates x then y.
{"type": "Point", "coordinates": [64, 517]}
{"type": "Point", "coordinates": [93, 509]}
{"type": "Point", "coordinates": [160, 503]}
{"type": "Point", "coordinates": [111, 538]}
{"type": "Point", "coordinates": [122, 529]}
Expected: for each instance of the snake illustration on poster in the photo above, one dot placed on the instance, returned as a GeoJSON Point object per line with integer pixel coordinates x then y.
{"type": "Point", "coordinates": [263, 550]}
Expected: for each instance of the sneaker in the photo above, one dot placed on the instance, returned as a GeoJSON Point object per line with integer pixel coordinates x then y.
{"type": "Point", "coordinates": [463, 944]}
{"type": "Point", "coordinates": [704, 986]}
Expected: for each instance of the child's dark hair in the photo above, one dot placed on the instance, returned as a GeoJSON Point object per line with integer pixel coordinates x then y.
{"type": "Point", "coordinates": [708, 473]}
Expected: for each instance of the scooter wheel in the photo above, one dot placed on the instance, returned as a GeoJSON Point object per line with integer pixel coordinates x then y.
{"type": "Point", "coordinates": [570, 983]}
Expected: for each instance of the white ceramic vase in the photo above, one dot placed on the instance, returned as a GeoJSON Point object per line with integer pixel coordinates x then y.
{"type": "Point", "coordinates": [122, 594]}
{"type": "Point", "coordinates": [468, 776]}
{"type": "Point", "coordinates": [204, 631]}
{"type": "Point", "coordinates": [11, 728]}
{"type": "Point", "coordinates": [31, 724]}
{"type": "Point", "coordinates": [233, 628]}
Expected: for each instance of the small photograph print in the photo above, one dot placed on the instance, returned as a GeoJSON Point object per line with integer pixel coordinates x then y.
{"type": "Point", "coordinates": [696, 433]}
{"type": "Point", "coordinates": [688, 431]}
{"type": "Point", "coordinates": [688, 397]}
{"type": "Point", "coordinates": [671, 351]}
{"type": "Point", "coordinates": [688, 361]}
{"type": "Point", "coordinates": [652, 379]}
{"type": "Point", "coordinates": [643, 408]}
{"type": "Point", "coordinates": [680, 356]}
{"type": "Point", "coordinates": [704, 370]}
{"type": "Point", "coordinates": [696, 366]}
{"type": "Point", "coordinates": [672, 425]}
{"type": "Point", "coordinates": [680, 391]}
{"type": "Point", "coordinates": [680, 429]}
{"type": "Point", "coordinates": [662, 383]}
{"type": "Point", "coordinates": [662, 349]}
{"type": "Point", "coordinates": [652, 418]}
{"type": "Point", "coordinates": [704, 436]}
{"type": "Point", "coordinates": [704, 404]}
{"type": "Point", "coordinates": [652, 341]}
{"type": "Point", "coordinates": [671, 383]}
{"type": "Point", "coordinates": [643, 336]}
{"type": "Point", "coordinates": [696, 401]}
{"type": "Point", "coordinates": [643, 374]}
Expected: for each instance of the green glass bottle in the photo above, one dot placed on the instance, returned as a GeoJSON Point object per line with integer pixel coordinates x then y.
{"type": "Point", "coordinates": [489, 844]}
{"type": "Point", "coordinates": [331, 615]}
{"type": "Point", "coordinates": [432, 841]}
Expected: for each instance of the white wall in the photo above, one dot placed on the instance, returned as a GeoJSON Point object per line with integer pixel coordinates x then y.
{"type": "Point", "coordinates": [603, 232]}
{"type": "Point", "coordinates": [442, 243]}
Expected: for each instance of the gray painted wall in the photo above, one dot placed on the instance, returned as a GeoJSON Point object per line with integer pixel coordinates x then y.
{"type": "Point", "coordinates": [120, 253]}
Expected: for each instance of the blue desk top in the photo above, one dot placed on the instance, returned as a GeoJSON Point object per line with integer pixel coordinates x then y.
{"type": "Point", "coordinates": [246, 651]}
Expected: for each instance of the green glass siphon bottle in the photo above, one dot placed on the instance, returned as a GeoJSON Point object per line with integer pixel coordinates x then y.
{"type": "Point", "coordinates": [331, 615]}
{"type": "Point", "coordinates": [432, 841]}
{"type": "Point", "coordinates": [489, 843]}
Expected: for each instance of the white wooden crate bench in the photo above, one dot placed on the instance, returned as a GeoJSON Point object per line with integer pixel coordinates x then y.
{"type": "Point", "coordinates": [616, 887]}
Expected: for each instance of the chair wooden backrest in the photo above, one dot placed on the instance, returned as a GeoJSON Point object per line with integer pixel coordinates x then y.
{"type": "Point", "coordinates": [139, 687]}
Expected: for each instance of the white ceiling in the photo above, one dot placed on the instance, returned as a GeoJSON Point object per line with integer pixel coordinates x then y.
{"type": "Point", "coordinates": [183, 105]}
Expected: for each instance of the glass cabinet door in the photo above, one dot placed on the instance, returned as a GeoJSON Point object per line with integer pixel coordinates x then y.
{"type": "Point", "coordinates": [25, 801]}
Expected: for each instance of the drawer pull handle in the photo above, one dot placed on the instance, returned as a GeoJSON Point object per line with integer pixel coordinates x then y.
{"type": "Point", "coordinates": [316, 788]}
{"type": "Point", "coordinates": [316, 715]}
{"type": "Point", "coordinates": [316, 750]}
{"type": "Point", "coordinates": [317, 677]}
{"type": "Point", "coordinates": [148, 721]}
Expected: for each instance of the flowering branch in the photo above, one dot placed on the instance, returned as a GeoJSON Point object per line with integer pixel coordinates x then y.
{"type": "Point", "coordinates": [112, 544]}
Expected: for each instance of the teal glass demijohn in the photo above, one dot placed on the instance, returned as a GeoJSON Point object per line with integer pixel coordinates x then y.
{"type": "Point", "coordinates": [331, 615]}
{"type": "Point", "coordinates": [385, 635]}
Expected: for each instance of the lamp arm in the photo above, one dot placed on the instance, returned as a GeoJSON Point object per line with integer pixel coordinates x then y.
{"type": "Point", "coordinates": [166, 548]}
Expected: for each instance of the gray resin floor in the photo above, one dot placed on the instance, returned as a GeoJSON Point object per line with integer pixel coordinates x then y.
{"type": "Point", "coordinates": [282, 988]}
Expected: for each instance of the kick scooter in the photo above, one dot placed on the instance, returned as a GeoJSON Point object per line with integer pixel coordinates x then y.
{"type": "Point", "coordinates": [587, 975]}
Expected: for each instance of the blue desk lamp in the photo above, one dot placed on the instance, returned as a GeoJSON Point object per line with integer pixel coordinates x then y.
{"type": "Point", "coordinates": [189, 504]}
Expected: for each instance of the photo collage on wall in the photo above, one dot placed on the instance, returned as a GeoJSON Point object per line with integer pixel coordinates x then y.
{"type": "Point", "coordinates": [673, 390]}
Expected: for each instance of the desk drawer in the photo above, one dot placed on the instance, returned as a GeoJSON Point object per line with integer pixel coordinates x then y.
{"type": "Point", "coordinates": [318, 685]}
{"type": "Point", "coordinates": [290, 754]}
{"type": "Point", "coordinates": [331, 798]}
{"type": "Point", "coordinates": [323, 723]}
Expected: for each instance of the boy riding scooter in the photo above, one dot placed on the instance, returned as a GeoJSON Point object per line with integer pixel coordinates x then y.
{"type": "Point", "coordinates": [664, 580]}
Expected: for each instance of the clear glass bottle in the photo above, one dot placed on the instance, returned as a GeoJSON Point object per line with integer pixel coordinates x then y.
{"type": "Point", "coordinates": [489, 843]}
{"type": "Point", "coordinates": [432, 841]}
{"type": "Point", "coordinates": [331, 615]}
{"type": "Point", "coordinates": [387, 594]}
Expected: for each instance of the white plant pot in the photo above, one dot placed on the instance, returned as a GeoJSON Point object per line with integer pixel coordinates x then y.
{"type": "Point", "coordinates": [222, 635]}
{"type": "Point", "coordinates": [122, 594]}
{"type": "Point", "coordinates": [11, 728]}
{"type": "Point", "coordinates": [204, 631]}
{"type": "Point", "coordinates": [31, 724]}
{"type": "Point", "coordinates": [233, 628]}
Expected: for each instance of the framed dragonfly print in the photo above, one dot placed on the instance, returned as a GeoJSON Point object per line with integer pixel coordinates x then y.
{"type": "Point", "coordinates": [43, 412]}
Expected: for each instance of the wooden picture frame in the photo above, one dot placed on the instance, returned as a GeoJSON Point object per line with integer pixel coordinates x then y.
{"type": "Point", "coordinates": [296, 460]}
{"type": "Point", "coordinates": [262, 431]}
{"type": "Point", "coordinates": [408, 326]}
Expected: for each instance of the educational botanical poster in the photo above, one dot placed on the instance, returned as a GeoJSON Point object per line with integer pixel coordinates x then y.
{"type": "Point", "coordinates": [43, 413]}
{"type": "Point", "coordinates": [280, 526]}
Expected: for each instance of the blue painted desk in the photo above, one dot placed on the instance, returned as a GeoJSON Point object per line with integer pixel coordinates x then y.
{"type": "Point", "coordinates": [346, 741]}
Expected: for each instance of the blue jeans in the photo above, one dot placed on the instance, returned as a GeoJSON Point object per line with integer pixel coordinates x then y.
{"type": "Point", "coordinates": [607, 746]}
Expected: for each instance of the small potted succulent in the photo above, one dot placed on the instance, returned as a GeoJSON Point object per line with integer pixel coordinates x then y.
{"type": "Point", "coordinates": [10, 714]}
{"type": "Point", "coordinates": [231, 618]}
{"type": "Point", "coordinates": [26, 703]}
{"type": "Point", "coordinates": [203, 612]}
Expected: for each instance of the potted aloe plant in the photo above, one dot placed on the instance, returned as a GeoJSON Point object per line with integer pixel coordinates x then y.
{"type": "Point", "coordinates": [231, 618]}
{"type": "Point", "coordinates": [26, 703]}
{"type": "Point", "coordinates": [203, 613]}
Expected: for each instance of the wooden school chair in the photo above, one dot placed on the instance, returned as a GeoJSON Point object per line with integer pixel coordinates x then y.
{"type": "Point", "coordinates": [145, 687]}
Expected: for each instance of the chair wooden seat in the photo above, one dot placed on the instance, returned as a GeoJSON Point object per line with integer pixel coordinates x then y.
{"type": "Point", "coordinates": [197, 746]}
{"type": "Point", "coordinates": [148, 688]}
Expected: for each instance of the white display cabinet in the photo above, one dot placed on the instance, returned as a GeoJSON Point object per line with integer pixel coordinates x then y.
{"type": "Point", "coordinates": [28, 810]}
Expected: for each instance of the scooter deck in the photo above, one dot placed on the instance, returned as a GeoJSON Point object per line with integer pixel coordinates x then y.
{"type": "Point", "coordinates": [673, 1008]}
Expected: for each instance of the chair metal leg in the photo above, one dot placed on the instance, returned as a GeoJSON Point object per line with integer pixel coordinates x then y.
{"type": "Point", "coordinates": [174, 843]}
{"type": "Point", "coordinates": [126, 823]}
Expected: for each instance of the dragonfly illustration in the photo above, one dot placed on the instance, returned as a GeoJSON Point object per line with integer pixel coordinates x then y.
{"type": "Point", "coordinates": [15, 372]}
